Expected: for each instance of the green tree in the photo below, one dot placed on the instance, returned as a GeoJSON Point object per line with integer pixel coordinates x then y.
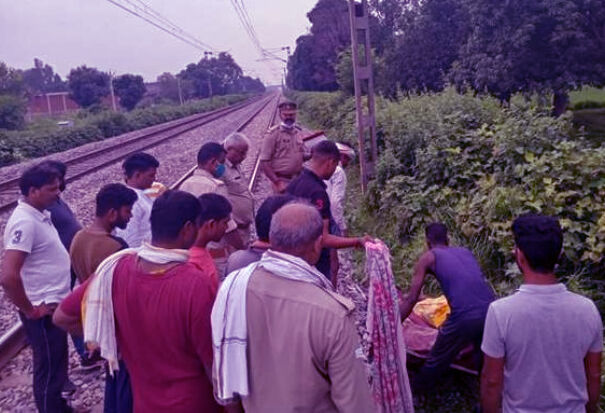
{"type": "Point", "coordinates": [130, 89]}
{"type": "Point", "coordinates": [88, 85]}
{"type": "Point", "coordinates": [11, 80]}
{"type": "Point", "coordinates": [42, 79]}
{"type": "Point", "coordinates": [168, 85]}
{"type": "Point", "coordinates": [538, 46]}
{"type": "Point", "coordinates": [312, 65]}
{"type": "Point", "coordinates": [211, 76]}
{"type": "Point", "coordinates": [12, 112]}
{"type": "Point", "coordinates": [431, 36]}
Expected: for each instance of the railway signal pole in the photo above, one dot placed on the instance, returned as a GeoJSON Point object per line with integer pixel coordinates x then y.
{"type": "Point", "coordinates": [364, 87]}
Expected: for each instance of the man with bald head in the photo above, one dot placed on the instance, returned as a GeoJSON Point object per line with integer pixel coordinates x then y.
{"type": "Point", "coordinates": [284, 340]}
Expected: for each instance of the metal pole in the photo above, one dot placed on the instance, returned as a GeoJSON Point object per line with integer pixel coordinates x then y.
{"type": "Point", "coordinates": [113, 97]}
{"type": "Point", "coordinates": [358, 107]}
{"type": "Point", "coordinates": [178, 85]}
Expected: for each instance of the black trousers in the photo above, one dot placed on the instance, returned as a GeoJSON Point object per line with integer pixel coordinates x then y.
{"type": "Point", "coordinates": [118, 393]}
{"type": "Point", "coordinates": [49, 348]}
{"type": "Point", "coordinates": [454, 335]}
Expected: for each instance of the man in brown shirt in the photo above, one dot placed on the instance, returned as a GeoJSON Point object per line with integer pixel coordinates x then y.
{"type": "Point", "coordinates": [283, 152]}
{"type": "Point", "coordinates": [93, 244]}
{"type": "Point", "coordinates": [303, 352]}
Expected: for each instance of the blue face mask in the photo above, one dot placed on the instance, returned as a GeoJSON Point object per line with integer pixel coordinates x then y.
{"type": "Point", "coordinates": [220, 170]}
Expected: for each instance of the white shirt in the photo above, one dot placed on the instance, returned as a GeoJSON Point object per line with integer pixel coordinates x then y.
{"type": "Point", "coordinates": [138, 229]}
{"type": "Point", "coordinates": [45, 271]}
{"type": "Point", "coordinates": [336, 188]}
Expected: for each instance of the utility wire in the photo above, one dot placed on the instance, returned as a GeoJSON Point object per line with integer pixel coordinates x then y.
{"type": "Point", "coordinates": [171, 31]}
{"type": "Point", "coordinates": [140, 5]}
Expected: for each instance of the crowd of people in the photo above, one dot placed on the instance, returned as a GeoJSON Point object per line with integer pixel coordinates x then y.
{"type": "Point", "coordinates": [197, 300]}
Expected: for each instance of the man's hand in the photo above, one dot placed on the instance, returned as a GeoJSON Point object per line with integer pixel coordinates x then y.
{"type": "Point", "coordinates": [39, 311]}
{"type": "Point", "coordinates": [361, 241]}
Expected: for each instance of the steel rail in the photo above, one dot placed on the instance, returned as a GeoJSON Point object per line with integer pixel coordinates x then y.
{"type": "Point", "coordinates": [240, 128]}
{"type": "Point", "coordinates": [254, 175]}
{"type": "Point", "coordinates": [140, 141]}
{"type": "Point", "coordinates": [14, 339]}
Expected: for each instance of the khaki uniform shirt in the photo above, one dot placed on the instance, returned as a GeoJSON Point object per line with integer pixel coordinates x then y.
{"type": "Point", "coordinates": [284, 148]}
{"type": "Point", "coordinates": [304, 351]}
{"type": "Point", "coordinates": [202, 182]}
{"type": "Point", "coordinates": [240, 197]}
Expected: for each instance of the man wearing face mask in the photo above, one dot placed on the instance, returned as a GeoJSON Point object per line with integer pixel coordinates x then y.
{"type": "Point", "coordinates": [205, 179]}
{"type": "Point", "coordinates": [283, 152]}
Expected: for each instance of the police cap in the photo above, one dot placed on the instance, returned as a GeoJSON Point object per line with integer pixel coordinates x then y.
{"type": "Point", "coordinates": [287, 105]}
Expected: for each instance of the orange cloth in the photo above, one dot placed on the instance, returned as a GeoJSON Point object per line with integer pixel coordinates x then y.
{"type": "Point", "coordinates": [433, 310]}
{"type": "Point", "coordinates": [201, 258]}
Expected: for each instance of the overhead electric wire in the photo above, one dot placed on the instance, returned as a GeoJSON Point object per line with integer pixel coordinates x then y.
{"type": "Point", "coordinates": [147, 9]}
{"type": "Point", "coordinates": [195, 43]}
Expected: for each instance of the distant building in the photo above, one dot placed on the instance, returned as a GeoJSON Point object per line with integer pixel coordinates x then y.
{"type": "Point", "coordinates": [57, 103]}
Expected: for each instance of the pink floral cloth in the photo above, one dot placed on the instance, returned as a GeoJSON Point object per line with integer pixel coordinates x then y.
{"type": "Point", "coordinates": [387, 355]}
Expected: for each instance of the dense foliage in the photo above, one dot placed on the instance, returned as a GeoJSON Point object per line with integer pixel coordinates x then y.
{"type": "Point", "coordinates": [88, 85]}
{"type": "Point", "coordinates": [488, 46]}
{"type": "Point", "coordinates": [89, 127]}
{"type": "Point", "coordinates": [475, 165]}
{"type": "Point", "coordinates": [311, 66]}
{"type": "Point", "coordinates": [130, 89]}
{"type": "Point", "coordinates": [12, 112]}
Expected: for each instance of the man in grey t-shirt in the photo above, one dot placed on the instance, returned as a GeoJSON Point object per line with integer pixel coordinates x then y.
{"type": "Point", "coordinates": [543, 344]}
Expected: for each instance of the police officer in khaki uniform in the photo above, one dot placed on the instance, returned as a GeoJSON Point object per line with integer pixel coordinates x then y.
{"type": "Point", "coordinates": [236, 145]}
{"type": "Point", "coordinates": [283, 151]}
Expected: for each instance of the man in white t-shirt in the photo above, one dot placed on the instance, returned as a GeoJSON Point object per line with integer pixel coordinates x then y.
{"type": "Point", "coordinates": [139, 171]}
{"type": "Point", "coordinates": [36, 277]}
{"type": "Point", "coordinates": [543, 344]}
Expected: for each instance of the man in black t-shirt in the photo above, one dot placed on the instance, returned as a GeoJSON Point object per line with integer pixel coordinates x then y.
{"type": "Point", "coordinates": [310, 185]}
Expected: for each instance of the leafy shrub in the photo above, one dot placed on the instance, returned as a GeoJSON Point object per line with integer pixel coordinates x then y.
{"type": "Point", "coordinates": [475, 165]}
{"type": "Point", "coordinates": [12, 112]}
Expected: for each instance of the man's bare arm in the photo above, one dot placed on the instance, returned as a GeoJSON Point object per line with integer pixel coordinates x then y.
{"type": "Point", "coordinates": [422, 267]}
{"type": "Point", "coordinates": [11, 280]}
{"type": "Point", "coordinates": [492, 378]}
{"type": "Point", "coordinates": [334, 241]}
{"type": "Point", "coordinates": [592, 365]}
{"type": "Point", "coordinates": [73, 325]}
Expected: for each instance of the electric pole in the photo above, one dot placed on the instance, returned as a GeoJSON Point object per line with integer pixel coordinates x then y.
{"type": "Point", "coordinates": [178, 85]}
{"type": "Point", "coordinates": [287, 49]}
{"type": "Point", "coordinates": [113, 97]}
{"type": "Point", "coordinates": [364, 86]}
{"type": "Point", "coordinates": [206, 54]}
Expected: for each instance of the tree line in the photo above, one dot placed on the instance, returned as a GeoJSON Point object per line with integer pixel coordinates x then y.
{"type": "Point", "coordinates": [87, 86]}
{"type": "Point", "coordinates": [488, 46]}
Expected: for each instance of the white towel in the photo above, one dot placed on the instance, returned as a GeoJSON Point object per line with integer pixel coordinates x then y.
{"type": "Point", "coordinates": [98, 316]}
{"type": "Point", "coordinates": [229, 331]}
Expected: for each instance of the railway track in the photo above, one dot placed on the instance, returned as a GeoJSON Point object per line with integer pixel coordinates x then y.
{"type": "Point", "coordinates": [84, 164]}
{"type": "Point", "coordinates": [13, 340]}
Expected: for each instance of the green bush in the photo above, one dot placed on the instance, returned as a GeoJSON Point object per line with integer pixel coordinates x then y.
{"type": "Point", "coordinates": [12, 112]}
{"type": "Point", "coordinates": [476, 165]}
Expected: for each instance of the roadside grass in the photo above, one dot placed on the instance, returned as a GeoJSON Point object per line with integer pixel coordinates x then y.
{"type": "Point", "coordinates": [587, 94]}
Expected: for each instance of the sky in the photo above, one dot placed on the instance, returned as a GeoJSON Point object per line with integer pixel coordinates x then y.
{"type": "Point", "coordinates": [69, 33]}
